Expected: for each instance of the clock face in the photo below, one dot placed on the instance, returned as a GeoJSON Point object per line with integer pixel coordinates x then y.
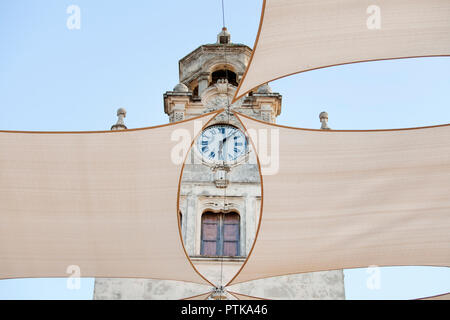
{"type": "Point", "coordinates": [222, 143]}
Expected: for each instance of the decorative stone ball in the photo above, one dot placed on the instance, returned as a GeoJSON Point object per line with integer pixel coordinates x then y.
{"type": "Point", "coordinates": [181, 87]}
{"type": "Point", "coordinates": [265, 88]}
{"type": "Point", "coordinates": [121, 111]}
{"type": "Point", "coordinates": [323, 115]}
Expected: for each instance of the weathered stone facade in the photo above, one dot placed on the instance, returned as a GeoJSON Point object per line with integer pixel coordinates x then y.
{"type": "Point", "coordinates": [208, 80]}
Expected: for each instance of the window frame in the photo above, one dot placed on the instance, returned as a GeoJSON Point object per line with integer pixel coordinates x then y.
{"type": "Point", "coordinates": [220, 235]}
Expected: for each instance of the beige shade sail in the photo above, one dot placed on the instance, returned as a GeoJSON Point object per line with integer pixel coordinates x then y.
{"type": "Point", "coordinates": [300, 35]}
{"type": "Point", "coordinates": [101, 203]}
{"type": "Point", "coordinates": [445, 296]}
{"type": "Point", "coordinates": [350, 199]}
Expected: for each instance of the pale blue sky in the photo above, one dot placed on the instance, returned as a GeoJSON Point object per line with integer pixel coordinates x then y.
{"type": "Point", "coordinates": [126, 55]}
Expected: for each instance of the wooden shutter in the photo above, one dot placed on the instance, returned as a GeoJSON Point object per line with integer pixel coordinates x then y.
{"type": "Point", "coordinates": [210, 234]}
{"type": "Point", "coordinates": [220, 234]}
{"type": "Point", "coordinates": [231, 234]}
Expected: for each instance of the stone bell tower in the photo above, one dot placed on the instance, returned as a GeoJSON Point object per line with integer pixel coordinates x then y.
{"type": "Point", "coordinates": [209, 77]}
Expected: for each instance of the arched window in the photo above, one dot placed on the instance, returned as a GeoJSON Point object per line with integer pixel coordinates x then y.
{"type": "Point", "coordinates": [195, 92]}
{"type": "Point", "coordinates": [220, 234]}
{"type": "Point", "coordinates": [224, 74]}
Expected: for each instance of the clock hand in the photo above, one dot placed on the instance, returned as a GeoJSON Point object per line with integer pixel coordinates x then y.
{"type": "Point", "coordinates": [225, 139]}
{"type": "Point", "coordinates": [220, 154]}
{"type": "Point", "coordinates": [225, 142]}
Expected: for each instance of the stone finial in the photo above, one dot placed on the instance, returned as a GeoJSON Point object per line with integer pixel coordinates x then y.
{"type": "Point", "coordinates": [265, 88]}
{"type": "Point", "coordinates": [120, 125]}
{"type": "Point", "coordinates": [224, 37]}
{"type": "Point", "coordinates": [181, 87]}
{"type": "Point", "coordinates": [324, 120]}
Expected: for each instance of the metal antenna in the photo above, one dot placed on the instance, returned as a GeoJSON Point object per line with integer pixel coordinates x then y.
{"type": "Point", "coordinates": [223, 13]}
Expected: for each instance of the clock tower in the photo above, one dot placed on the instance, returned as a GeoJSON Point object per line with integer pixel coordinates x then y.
{"type": "Point", "coordinates": [220, 193]}
{"type": "Point", "coordinates": [209, 77]}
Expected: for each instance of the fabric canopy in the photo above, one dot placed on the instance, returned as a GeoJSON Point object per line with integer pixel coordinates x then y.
{"type": "Point", "coordinates": [445, 296]}
{"type": "Point", "coordinates": [348, 199]}
{"type": "Point", "coordinates": [300, 35]}
{"type": "Point", "coordinates": [105, 202]}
